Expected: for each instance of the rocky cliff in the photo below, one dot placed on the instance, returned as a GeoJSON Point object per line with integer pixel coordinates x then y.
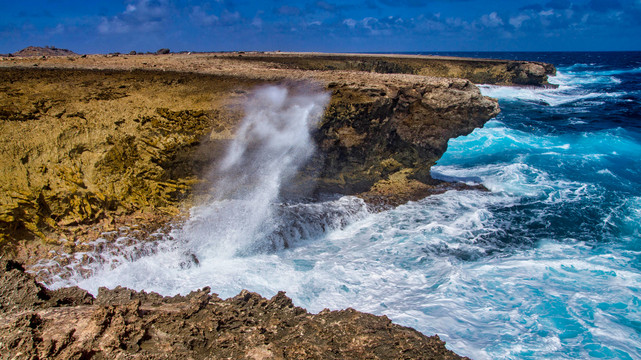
{"type": "Point", "coordinates": [372, 134]}
{"type": "Point", "coordinates": [92, 144]}
{"type": "Point", "coordinates": [278, 65]}
{"type": "Point", "coordinates": [478, 71]}
{"type": "Point", "coordinates": [90, 150]}
{"type": "Point", "coordinates": [69, 323]}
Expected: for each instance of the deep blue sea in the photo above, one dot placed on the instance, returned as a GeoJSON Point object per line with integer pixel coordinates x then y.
{"type": "Point", "coordinates": [547, 265]}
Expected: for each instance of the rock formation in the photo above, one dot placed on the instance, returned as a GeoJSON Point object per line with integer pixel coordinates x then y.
{"type": "Point", "coordinates": [372, 134]}
{"type": "Point", "coordinates": [479, 71]}
{"type": "Point", "coordinates": [36, 323]}
{"type": "Point", "coordinates": [93, 143]}
{"type": "Point", "coordinates": [90, 147]}
{"type": "Point", "coordinates": [43, 51]}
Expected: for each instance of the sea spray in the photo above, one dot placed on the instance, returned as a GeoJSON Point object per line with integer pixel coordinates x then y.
{"type": "Point", "coordinates": [244, 221]}
{"type": "Point", "coordinates": [545, 266]}
{"type": "Point", "coordinates": [272, 142]}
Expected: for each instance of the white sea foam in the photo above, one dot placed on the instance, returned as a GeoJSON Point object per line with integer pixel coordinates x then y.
{"type": "Point", "coordinates": [571, 89]}
{"type": "Point", "coordinates": [553, 97]}
{"type": "Point", "coordinates": [493, 273]}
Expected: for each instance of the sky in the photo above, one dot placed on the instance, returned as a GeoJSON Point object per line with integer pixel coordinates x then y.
{"type": "Point", "coordinates": [100, 26]}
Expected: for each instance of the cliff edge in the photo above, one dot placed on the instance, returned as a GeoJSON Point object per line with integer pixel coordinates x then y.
{"type": "Point", "coordinates": [69, 323]}
{"type": "Point", "coordinates": [89, 151]}
{"type": "Point", "coordinates": [98, 144]}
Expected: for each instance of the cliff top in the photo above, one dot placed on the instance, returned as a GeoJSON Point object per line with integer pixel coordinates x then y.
{"type": "Point", "coordinates": [321, 66]}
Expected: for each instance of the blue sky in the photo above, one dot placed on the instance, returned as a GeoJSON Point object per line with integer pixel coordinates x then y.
{"type": "Point", "coordinates": [101, 26]}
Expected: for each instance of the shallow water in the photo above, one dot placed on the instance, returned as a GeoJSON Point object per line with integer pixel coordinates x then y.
{"type": "Point", "coordinates": [546, 265]}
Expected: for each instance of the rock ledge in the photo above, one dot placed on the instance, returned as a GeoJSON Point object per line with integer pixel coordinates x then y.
{"type": "Point", "coordinates": [68, 323]}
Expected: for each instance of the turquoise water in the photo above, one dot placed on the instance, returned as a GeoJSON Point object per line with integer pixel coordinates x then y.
{"type": "Point", "coordinates": [546, 265]}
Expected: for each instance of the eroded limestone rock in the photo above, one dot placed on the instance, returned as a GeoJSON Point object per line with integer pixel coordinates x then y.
{"type": "Point", "coordinates": [89, 159]}
{"type": "Point", "coordinates": [69, 323]}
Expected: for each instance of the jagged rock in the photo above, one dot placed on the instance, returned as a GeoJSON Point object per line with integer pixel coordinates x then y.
{"type": "Point", "coordinates": [20, 292]}
{"type": "Point", "coordinates": [122, 323]}
{"type": "Point", "coordinates": [530, 73]}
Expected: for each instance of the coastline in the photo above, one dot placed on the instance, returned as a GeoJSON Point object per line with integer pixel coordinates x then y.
{"type": "Point", "coordinates": [170, 134]}
{"type": "Point", "coordinates": [279, 65]}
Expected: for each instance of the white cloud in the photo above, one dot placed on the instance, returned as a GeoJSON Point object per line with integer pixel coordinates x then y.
{"type": "Point", "coordinates": [59, 29]}
{"type": "Point", "coordinates": [200, 17]}
{"type": "Point", "coordinates": [491, 20]}
{"type": "Point", "coordinates": [351, 23]}
{"type": "Point", "coordinates": [230, 18]}
{"type": "Point", "coordinates": [517, 21]}
{"type": "Point", "coordinates": [139, 15]}
{"type": "Point", "coordinates": [113, 26]}
{"type": "Point", "coordinates": [257, 22]}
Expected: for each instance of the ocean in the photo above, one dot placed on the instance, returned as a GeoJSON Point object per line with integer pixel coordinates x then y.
{"type": "Point", "coordinates": [547, 265]}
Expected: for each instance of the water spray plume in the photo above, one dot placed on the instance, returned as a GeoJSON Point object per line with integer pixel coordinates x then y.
{"type": "Point", "coordinates": [272, 142]}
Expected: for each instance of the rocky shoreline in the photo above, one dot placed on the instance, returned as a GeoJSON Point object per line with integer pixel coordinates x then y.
{"type": "Point", "coordinates": [94, 144]}
{"type": "Point", "coordinates": [69, 323]}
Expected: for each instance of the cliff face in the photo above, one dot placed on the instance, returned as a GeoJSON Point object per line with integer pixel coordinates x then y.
{"type": "Point", "coordinates": [89, 151]}
{"type": "Point", "coordinates": [88, 147]}
{"type": "Point", "coordinates": [277, 65]}
{"type": "Point", "coordinates": [92, 150]}
{"type": "Point", "coordinates": [36, 323]}
{"type": "Point", "coordinates": [371, 135]}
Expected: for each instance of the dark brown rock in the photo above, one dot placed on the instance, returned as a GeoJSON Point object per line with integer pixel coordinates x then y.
{"type": "Point", "coordinates": [126, 324]}
{"type": "Point", "coordinates": [19, 291]}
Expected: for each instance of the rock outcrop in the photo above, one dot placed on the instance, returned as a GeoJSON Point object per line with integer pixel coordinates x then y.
{"type": "Point", "coordinates": [478, 71]}
{"type": "Point", "coordinates": [43, 51]}
{"type": "Point", "coordinates": [278, 65]}
{"type": "Point", "coordinates": [69, 323]}
{"type": "Point", "coordinates": [88, 151]}
{"type": "Point", "coordinates": [375, 138]}
{"type": "Point", "coordinates": [87, 147]}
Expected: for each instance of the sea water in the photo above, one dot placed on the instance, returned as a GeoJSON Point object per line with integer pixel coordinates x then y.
{"type": "Point", "coordinates": [547, 265]}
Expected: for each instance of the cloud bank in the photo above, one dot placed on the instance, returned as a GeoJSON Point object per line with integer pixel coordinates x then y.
{"type": "Point", "coordinates": [363, 25]}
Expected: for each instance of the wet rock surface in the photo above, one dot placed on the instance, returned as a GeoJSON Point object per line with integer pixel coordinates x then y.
{"type": "Point", "coordinates": [37, 323]}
